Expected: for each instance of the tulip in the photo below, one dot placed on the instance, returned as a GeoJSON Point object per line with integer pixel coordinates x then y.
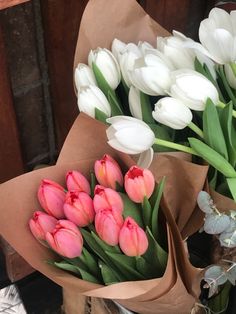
{"type": "Point", "coordinates": [193, 89]}
{"type": "Point", "coordinates": [107, 64]}
{"type": "Point", "coordinates": [76, 181]}
{"type": "Point", "coordinates": [117, 48]}
{"type": "Point", "coordinates": [135, 103]}
{"type": "Point", "coordinates": [108, 223]}
{"type": "Point", "coordinates": [41, 223]}
{"type": "Point", "coordinates": [91, 97]}
{"type": "Point", "coordinates": [172, 112]}
{"type": "Point", "coordinates": [129, 135]}
{"type": "Point", "coordinates": [84, 76]}
{"type": "Point", "coordinates": [132, 239]}
{"type": "Point", "coordinates": [51, 197]}
{"type": "Point", "coordinates": [144, 46]}
{"type": "Point", "coordinates": [78, 208]}
{"type": "Point", "coordinates": [108, 172]}
{"type": "Point", "coordinates": [151, 73]}
{"type": "Point", "coordinates": [107, 198]}
{"type": "Point", "coordinates": [66, 239]}
{"type": "Point", "coordinates": [139, 183]}
{"type": "Point", "coordinates": [231, 78]}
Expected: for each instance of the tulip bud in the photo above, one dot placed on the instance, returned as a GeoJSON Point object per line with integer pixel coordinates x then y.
{"type": "Point", "coordinates": [129, 135]}
{"type": "Point", "coordinates": [107, 64]}
{"type": "Point", "coordinates": [84, 76]}
{"type": "Point", "coordinates": [51, 197]}
{"type": "Point", "coordinates": [107, 198]}
{"type": "Point", "coordinates": [172, 112]}
{"type": "Point", "coordinates": [117, 48]}
{"type": "Point", "coordinates": [78, 208]}
{"type": "Point", "coordinates": [139, 183]}
{"type": "Point", "coordinates": [132, 239]}
{"type": "Point", "coordinates": [41, 223]}
{"type": "Point", "coordinates": [193, 89]}
{"type": "Point", "coordinates": [108, 223]}
{"type": "Point", "coordinates": [66, 239]}
{"type": "Point", "coordinates": [76, 181]}
{"type": "Point", "coordinates": [91, 97]}
{"type": "Point", "coordinates": [135, 103]}
{"type": "Point", "coordinates": [108, 172]}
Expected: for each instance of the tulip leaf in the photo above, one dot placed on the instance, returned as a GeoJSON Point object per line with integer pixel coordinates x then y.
{"type": "Point", "coordinates": [155, 212]}
{"type": "Point", "coordinates": [155, 255]}
{"type": "Point", "coordinates": [146, 108]}
{"type": "Point", "coordinates": [114, 103]}
{"type": "Point", "coordinates": [228, 89]}
{"type": "Point", "coordinates": [144, 267]}
{"type": "Point", "coordinates": [147, 211]}
{"type": "Point", "coordinates": [87, 276]}
{"type": "Point", "coordinates": [104, 246]}
{"type": "Point", "coordinates": [77, 262]}
{"type": "Point", "coordinates": [132, 209]}
{"type": "Point", "coordinates": [212, 157]}
{"type": "Point", "coordinates": [95, 247]}
{"type": "Point", "coordinates": [125, 266]}
{"type": "Point", "coordinates": [108, 274]}
{"type": "Point", "coordinates": [66, 266]}
{"type": "Point", "coordinates": [100, 115]}
{"type": "Point", "coordinates": [232, 186]}
{"type": "Point", "coordinates": [93, 183]}
{"type": "Point", "coordinates": [213, 134]}
{"type": "Point", "coordinates": [89, 260]}
{"type": "Point", "coordinates": [229, 131]}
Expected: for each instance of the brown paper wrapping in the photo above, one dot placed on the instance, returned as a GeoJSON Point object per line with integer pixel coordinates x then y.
{"type": "Point", "coordinates": [178, 289]}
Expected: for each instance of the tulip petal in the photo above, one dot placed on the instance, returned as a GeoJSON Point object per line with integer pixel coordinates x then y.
{"type": "Point", "coordinates": [145, 158]}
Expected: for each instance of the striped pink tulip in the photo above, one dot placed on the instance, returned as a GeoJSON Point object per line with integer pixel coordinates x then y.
{"type": "Point", "coordinates": [77, 181]}
{"type": "Point", "coordinates": [108, 172]}
{"type": "Point", "coordinates": [139, 183]}
{"type": "Point", "coordinates": [66, 239]}
{"type": "Point", "coordinates": [132, 239]}
{"type": "Point", "coordinates": [107, 198]}
{"type": "Point", "coordinates": [41, 223]}
{"type": "Point", "coordinates": [51, 196]}
{"type": "Point", "coordinates": [78, 208]}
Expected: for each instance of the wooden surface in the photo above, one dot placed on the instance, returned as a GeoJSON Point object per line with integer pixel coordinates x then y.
{"type": "Point", "coordinates": [9, 3]}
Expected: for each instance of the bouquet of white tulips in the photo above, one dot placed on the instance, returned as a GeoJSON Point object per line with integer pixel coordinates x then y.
{"type": "Point", "coordinates": [169, 94]}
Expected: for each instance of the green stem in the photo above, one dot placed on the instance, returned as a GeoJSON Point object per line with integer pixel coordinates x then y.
{"type": "Point", "coordinates": [196, 129]}
{"type": "Point", "coordinates": [175, 146]}
{"type": "Point", "coordinates": [226, 85]}
{"type": "Point", "coordinates": [222, 105]}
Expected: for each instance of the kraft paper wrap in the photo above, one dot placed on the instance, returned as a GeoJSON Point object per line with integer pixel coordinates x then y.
{"type": "Point", "coordinates": [178, 289]}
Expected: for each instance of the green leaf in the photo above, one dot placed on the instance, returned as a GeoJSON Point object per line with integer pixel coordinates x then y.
{"type": "Point", "coordinates": [66, 266]}
{"type": "Point", "coordinates": [213, 134]}
{"type": "Point", "coordinates": [91, 263]}
{"type": "Point", "coordinates": [232, 186]}
{"type": "Point", "coordinates": [226, 120]}
{"type": "Point", "coordinates": [212, 157]}
{"type": "Point", "coordinates": [126, 266]}
{"type": "Point", "coordinates": [93, 182]}
{"type": "Point", "coordinates": [155, 212]}
{"type": "Point", "coordinates": [164, 133]}
{"type": "Point", "coordinates": [108, 274]}
{"type": "Point", "coordinates": [100, 115]}
{"type": "Point", "coordinates": [104, 246]}
{"type": "Point", "coordinates": [132, 209]}
{"type": "Point", "coordinates": [147, 212]}
{"type": "Point", "coordinates": [213, 178]}
{"type": "Point", "coordinates": [87, 276]}
{"type": "Point", "coordinates": [155, 255]}
{"type": "Point", "coordinates": [114, 102]}
{"type": "Point", "coordinates": [146, 108]}
{"type": "Point", "coordinates": [144, 267]}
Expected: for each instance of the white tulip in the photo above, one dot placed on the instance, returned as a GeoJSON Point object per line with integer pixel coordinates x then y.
{"type": "Point", "coordinates": [151, 74]}
{"type": "Point", "coordinates": [107, 64]}
{"type": "Point", "coordinates": [144, 46]}
{"type": "Point", "coordinates": [230, 76]}
{"type": "Point", "coordinates": [129, 135]}
{"type": "Point", "coordinates": [135, 103]}
{"type": "Point", "coordinates": [217, 34]}
{"type": "Point", "coordinates": [84, 76]}
{"type": "Point", "coordinates": [172, 112]}
{"type": "Point", "coordinates": [117, 48]}
{"type": "Point", "coordinates": [91, 97]}
{"type": "Point", "coordinates": [193, 89]}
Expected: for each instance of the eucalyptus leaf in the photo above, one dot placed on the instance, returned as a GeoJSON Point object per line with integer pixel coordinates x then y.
{"type": "Point", "coordinates": [231, 274]}
{"type": "Point", "coordinates": [213, 287]}
{"type": "Point", "coordinates": [215, 273]}
{"type": "Point", "coordinates": [205, 202]}
{"type": "Point", "coordinates": [215, 224]}
{"type": "Point", "coordinates": [228, 239]}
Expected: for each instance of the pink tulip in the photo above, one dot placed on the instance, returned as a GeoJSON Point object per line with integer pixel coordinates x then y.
{"type": "Point", "coordinates": [51, 197]}
{"type": "Point", "coordinates": [78, 208]}
{"type": "Point", "coordinates": [108, 172]}
{"type": "Point", "coordinates": [66, 239]}
{"type": "Point", "coordinates": [41, 223]}
{"type": "Point", "coordinates": [107, 198]}
{"type": "Point", "coordinates": [139, 183]}
{"type": "Point", "coordinates": [108, 224]}
{"type": "Point", "coordinates": [132, 239]}
{"type": "Point", "coordinates": [76, 181]}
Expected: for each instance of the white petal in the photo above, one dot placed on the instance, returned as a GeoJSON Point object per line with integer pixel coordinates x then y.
{"type": "Point", "coordinates": [116, 145]}
{"type": "Point", "coordinates": [221, 19]}
{"type": "Point", "coordinates": [145, 158]}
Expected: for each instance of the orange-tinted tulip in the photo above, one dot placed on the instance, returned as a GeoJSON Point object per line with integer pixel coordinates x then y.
{"type": "Point", "coordinates": [41, 223]}
{"type": "Point", "coordinates": [107, 198]}
{"type": "Point", "coordinates": [77, 181]}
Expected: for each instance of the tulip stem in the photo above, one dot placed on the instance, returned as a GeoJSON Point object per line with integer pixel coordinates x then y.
{"type": "Point", "coordinates": [175, 146]}
{"type": "Point", "coordinates": [196, 129]}
{"type": "Point", "coordinates": [222, 105]}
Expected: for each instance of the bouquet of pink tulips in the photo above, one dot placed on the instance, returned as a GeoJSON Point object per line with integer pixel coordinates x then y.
{"type": "Point", "coordinates": [104, 236]}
